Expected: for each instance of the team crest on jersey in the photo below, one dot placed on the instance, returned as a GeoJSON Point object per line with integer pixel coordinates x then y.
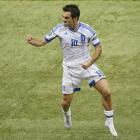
{"type": "Point", "coordinates": [82, 38]}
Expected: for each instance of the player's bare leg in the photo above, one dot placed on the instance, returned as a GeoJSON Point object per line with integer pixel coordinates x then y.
{"type": "Point", "coordinates": [103, 87]}
{"type": "Point", "coordinates": [66, 102]}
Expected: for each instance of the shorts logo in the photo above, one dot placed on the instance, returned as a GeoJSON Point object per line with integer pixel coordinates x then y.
{"type": "Point", "coordinates": [100, 73]}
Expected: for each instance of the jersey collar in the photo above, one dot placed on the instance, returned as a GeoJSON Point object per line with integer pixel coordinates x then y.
{"type": "Point", "coordinates": [76, 28]}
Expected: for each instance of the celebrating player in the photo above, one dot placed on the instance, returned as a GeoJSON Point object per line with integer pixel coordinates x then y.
{"type": "Point", "coordinates": [78, 65]}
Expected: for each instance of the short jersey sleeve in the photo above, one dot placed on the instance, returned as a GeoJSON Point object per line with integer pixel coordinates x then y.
{"type": "Point", "coordinates": [55, 32]}
{"type": "Point", "coordinates": [94, 40]}
{"type": "Point", "coordinates": [50, 36]}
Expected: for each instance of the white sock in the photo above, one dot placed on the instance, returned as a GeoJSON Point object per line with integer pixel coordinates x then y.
{"type": "Point", "coordinates": [109, 115]}
{"type": "Point", "coordinates": [68, 113]}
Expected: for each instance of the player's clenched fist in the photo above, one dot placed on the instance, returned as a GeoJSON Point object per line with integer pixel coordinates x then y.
{"type": "Point", "coordinates": [29, 38]}
{"type": "Point", "coordinates": [35, 42]}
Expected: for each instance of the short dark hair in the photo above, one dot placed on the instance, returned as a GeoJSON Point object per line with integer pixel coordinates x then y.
{"type": "Point", "coordinates": [74, 9]}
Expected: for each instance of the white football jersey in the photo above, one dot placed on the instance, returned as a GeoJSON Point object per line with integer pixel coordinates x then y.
{"type": "Point", "coordinates": [74, 44]}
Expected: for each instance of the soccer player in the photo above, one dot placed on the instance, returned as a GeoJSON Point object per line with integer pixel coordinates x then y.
{"type": "Point", "coordinates": [78, 65]}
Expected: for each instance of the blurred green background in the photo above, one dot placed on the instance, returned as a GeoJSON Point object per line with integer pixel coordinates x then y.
{"type": "Point", "coordinates": [30, 78]}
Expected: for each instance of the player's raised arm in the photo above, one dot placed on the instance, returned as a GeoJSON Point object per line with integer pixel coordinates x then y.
{"type": "Point", "coordinates": [35, 42]}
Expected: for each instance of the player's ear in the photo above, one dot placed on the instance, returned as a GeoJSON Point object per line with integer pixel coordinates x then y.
{"type": "Point", "coordinates": [75, 18]}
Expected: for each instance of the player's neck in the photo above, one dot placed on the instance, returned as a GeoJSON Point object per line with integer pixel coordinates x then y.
{"type": "Point", "coordinates": [75, 26]}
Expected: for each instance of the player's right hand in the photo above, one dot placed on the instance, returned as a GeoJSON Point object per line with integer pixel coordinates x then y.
{"type": "Point", "coordinates": [29, 38]}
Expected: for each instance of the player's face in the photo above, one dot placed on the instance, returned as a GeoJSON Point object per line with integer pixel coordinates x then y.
{"type": "Point", "coordinates": [68, 20]}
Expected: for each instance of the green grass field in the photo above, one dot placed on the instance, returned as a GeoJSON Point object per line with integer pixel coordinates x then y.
{"type": "Point", "coordinates": [30, 78]}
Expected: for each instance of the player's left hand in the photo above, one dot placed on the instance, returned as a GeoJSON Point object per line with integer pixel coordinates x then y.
{"type": "Point", "coordinates": [86, 64]}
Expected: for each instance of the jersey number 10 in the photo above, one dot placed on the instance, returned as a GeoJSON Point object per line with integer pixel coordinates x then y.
{"type": "Point", "coordinates": [74, 42]}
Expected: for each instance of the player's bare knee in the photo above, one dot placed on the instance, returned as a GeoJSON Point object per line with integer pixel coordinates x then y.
{"type": "Point", "coordinates": [65, 104]}
{"type": "Point", "coordinates": [106, 93]}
